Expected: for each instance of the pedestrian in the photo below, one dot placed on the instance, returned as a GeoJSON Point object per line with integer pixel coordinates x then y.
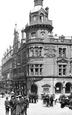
{"type": "Point", "coordinates": [51, 100]}
{"type": "Point", "coordinates": [26, 105]}
{"type": "Point", "coordinates": [47, 99]}
{"type": "Point", "coordinates": [13, 103]}
{"type": "Point", "coordinates": [22, 104]}
{"type": "Point", "coordinates": [7, 106]}
{"type": "Point", "coordinates": [18, 107]}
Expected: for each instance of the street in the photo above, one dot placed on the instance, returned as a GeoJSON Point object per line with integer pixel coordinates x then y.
{"type": "Point", "coordinates": [40, 109]}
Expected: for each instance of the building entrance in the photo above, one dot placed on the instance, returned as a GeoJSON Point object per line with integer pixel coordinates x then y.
{"type": "Point", "coordinates": [34, 88]}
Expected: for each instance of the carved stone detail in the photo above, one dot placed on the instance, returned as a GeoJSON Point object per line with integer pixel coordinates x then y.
{"type": "Point", "coordinates": [49, 51]}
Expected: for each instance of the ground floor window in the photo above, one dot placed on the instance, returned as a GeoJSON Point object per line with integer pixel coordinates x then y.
{"type": "Point", "coordinates": [58, 88]}
{"type": "Point", "coordinates": [67, 87]}
{"type": "Point", "coordinates": [34, 88]}
{"type": "Point", "coordinates": [46, 90]}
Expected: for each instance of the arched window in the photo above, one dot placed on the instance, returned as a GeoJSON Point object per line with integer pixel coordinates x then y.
{"type": "Point", "coordinates": [58, 87]}
{"type": "Point", "coordinates": [34, 88]}
{"type": "Point", "coordinates": [41, 17]}
{"type": "Point", "coordinates": [67, 88]}
{"type": "Point", "coordinates": [34, 18]}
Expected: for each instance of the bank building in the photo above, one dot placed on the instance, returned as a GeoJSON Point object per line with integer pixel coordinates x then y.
{"type": "Point", "coordinates": [46, 60]}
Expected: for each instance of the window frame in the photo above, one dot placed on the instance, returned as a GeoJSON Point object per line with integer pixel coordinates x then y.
{"type": "Point", "coordinates": [62, 69]}
{"type": "Point", "coordinates": [33, 35]}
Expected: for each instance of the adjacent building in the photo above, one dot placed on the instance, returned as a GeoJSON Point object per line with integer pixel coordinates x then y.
{"type": "Point", "coordinates": [6, 69]}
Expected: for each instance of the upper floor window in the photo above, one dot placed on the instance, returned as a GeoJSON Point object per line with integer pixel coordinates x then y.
{"type": "Point", "coordinates": [31, 52]}
{"type": "Point", "coordinates": [33, 35]}
{"type": "Point", "coordinates": [62, 52]}
{"type": "Point", "coordinates": [40, 51]}
{"type": "Point", "coordinates": [46, 18]}
{"type": "Point", "coordinates": [35, 52]}
{"type": "Point", "coordinates": [34, 18]}
{"type": "Point", "coordinates": [62, 69]}
{"type": "Point", "coordinates": [41, 17]}
{"type": "Point", "coordinates": [35, 69]}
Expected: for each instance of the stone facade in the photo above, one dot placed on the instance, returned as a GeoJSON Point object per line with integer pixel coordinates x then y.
{"type": "Point", "coordinates": [48, 59]}
{"type": "Point", "coordinates": [43, 60]}
{"type": "Point", "coordinates": [6, 69]}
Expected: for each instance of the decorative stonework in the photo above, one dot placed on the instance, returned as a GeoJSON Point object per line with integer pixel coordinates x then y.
{"type": "Point", "coordinates": [49, 51]}
{"type": "Point", "coordinates": [62, 60]}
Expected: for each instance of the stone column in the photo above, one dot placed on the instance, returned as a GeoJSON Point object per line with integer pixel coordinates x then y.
{"type": "Point", "coordinates": [34, 69]}
{"type": "Point", "coordinates": [63, 88]}
{"type": "Point", "coordinates": [71, 88]}
{"type": "Point", "coordinates": [53, 88]}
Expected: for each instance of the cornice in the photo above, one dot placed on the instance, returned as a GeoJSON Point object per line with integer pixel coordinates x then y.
{"type": "Point", "coordinates": [37, 26]}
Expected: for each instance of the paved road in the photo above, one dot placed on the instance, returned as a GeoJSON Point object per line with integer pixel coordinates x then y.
{"type": "Point", "coordinates": [40, 109]}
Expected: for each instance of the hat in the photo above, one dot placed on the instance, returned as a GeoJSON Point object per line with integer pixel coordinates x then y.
{"type": "Point", "coordinates": [16, 96]}
{"type": "Point", "coordinates": [20, 96]}
{"type": "Point", "coordinates": [25, 97]}
{"type": "Point", "coordinates": [6, 97]}
{"type": "Point", "coordinates": [12, 95]}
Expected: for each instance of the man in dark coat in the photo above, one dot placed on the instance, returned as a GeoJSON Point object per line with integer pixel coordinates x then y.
{"type": "Point", "coordinates": [51, 100]}
{"type": "Point", "coordinates": [13, 103]}
{"type": "Point", "coordinates": [26, 104]}
{"type": "Point", "coordinates": [7, 106]}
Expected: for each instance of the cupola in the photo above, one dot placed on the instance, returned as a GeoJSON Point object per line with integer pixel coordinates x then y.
{"type": "Point", "coordinates": [38, 2]}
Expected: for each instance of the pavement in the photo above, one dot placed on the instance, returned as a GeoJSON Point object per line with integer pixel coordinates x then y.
{"type": "Point", "coordinates": [40, 109]}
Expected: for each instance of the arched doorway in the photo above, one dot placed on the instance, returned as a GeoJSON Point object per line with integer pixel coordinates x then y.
{"type": "Point", "coordinates": [34, 88]}
{"type": "Point", "coordinates": [67, 87]}
{"type": "Point", "coordinates": [58, 87]}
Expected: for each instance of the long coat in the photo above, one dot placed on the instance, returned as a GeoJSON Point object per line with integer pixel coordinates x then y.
{"type": "Point", "coordinates": [18, 108]}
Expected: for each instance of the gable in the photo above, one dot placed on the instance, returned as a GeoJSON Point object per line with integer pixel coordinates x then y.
{"type": "Point", "coordinates": [62, 61]}
{"type": "Point", "coordinates": [46, 85]}
{"type": "Point", "coordinates": [42, 11]}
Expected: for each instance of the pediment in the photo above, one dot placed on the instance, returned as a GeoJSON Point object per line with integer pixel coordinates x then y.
{"type": "Point", "coordinates": [46, 85]}
{"type": "Point", "coordinates": [62, 37]}
{"type": "Point", "coordinates": [42, 11]}
{"type": "Point", "coordinates": [62, 61]}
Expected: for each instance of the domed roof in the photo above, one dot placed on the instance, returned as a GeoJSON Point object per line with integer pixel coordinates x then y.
{"type": "Point", "coordinates": [36, 8]}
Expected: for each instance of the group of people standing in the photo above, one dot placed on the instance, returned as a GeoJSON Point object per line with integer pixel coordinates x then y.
{"type": "Point", "coordinates": [48, 99]}
{"type": "Point", "coordinates": [33, 98]}
{"type": "Point", "coordinates": [17, 104]}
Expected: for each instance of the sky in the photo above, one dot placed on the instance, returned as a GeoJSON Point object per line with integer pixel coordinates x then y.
{"type": "Point", "coordinates": [17, 12]}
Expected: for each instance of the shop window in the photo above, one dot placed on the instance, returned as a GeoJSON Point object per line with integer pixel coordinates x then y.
{"type": "Point", "coordinates": [45, 89]}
